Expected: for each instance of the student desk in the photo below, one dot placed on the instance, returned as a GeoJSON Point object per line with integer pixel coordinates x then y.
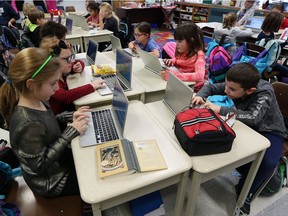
{"type": "Point", "coordinates": [248, 146]}
{"type": "Point", "coordinates": [114, 190]}
{"type": "Point", "coordinates": [95, 99]}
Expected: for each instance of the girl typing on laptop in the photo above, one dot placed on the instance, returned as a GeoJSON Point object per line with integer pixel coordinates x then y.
{"type": "Point", "coordinates": [62, 99]}
{"type": "Point", "coordinates": [189, 55]}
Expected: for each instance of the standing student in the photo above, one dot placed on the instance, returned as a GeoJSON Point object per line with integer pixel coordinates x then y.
{"type": "Point", "coordinates": [43, 151]}
{"type": "Point", "coordinates": [143, 39]}
{"type": "Point", "coordinates": [279, 7]}
{"type": "Point", "coordinates": [189, 55]}
{"type": "Point", "coordinates": [93, 9]}
{"type": "Point", "coordinates": [232, 31]}
{"type": "Point", "coordinates": [63, 98]}
{"type": "Point", "coordinates": [256, 106]}
{"type": "Point", "coordinates": [246, 11]}
{"type": "Point", "coordinates": [36, 18]}
{"type": "Point", "coordinates": [270, 25]}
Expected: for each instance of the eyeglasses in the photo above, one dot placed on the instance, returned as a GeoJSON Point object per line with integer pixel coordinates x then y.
{"type": "Point", "coordinates": [138, 35]}
{"type": "Point", "coordinates": [69, 59]}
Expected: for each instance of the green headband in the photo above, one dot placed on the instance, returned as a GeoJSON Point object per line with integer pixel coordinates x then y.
{"type": "Point", "coordinates": [42, 66]}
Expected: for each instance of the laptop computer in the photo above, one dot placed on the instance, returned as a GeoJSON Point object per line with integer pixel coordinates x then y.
{"type": "Point", "coordinates": [91, 53]}
{"type": "Point", "coordinates": [177, 95]}
{"type": "Point", "coordinates": [255, 23]}
{"type": "Point", "coordinates": [151, 62]}
{"type": "Point", "coordinates": [80, 21]}
{"type": "Point", "coordinates": [69, 25]}
{"type": "Point", "coordinates": [107, 124]}
{"type": "Point", "coordinates": [123, 74]}
{"type": "Point", "coordinates": [116, 43]}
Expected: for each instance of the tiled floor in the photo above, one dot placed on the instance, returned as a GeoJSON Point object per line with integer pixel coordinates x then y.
{"type": "Point", "coordinates": [216, 198]}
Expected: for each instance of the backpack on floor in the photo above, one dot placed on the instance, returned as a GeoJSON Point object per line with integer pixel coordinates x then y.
{"type": "Point", "coordinates": [219, 60]}
{"type": "Point", "coordinates": [274, 50]}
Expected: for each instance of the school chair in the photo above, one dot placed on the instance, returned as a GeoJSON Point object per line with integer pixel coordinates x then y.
{"type": "Point", "coordinates": [70, 9]}
{"type": "Point", "coordinates": [168, 12]}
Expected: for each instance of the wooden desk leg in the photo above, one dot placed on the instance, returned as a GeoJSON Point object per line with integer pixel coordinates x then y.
{"type": "Point", "coordinates": [96, 209]}
{"type": "Point", "coordinates": [182, 185]}
{"type": "Point", "coordinates": [248, 182]}
{"type": "Point", "coordinates": [193, 192]}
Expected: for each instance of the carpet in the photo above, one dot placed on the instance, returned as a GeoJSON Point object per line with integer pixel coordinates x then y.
{"type": "Point", "coordinates": [162, 36]}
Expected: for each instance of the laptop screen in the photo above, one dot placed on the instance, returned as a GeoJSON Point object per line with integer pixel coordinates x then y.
{"type": "Point", "coordinates": [123, 65]}
{"type": "Point", "coordinates": [120, 105]}
{"type": "Point", "coordinates": [254, 22]}
{"type": "Point", "coordinates": [69, 24]}
{"type": "Point", "coordinates": [92, 51]}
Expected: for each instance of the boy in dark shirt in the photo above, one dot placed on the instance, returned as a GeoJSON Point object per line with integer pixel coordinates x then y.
{"type": "Point", "coordinates": [256, 106]}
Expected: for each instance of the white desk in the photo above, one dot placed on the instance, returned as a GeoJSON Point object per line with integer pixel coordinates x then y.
{"type": "Point", "coordinates": [95, 99]}
{"type": "Point", "coordinates": [105, 193]}
{"type": "Point", "coordinates": [248, 146]}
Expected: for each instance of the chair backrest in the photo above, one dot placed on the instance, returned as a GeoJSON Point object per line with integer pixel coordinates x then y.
{"type": "Point", "coordinates": [124, 27]}
{"type": "Point", "coordinates": [281, 93]}
{"type": "Point", "coordinates": [70, 9]}
{"type": "Point", "coordinates": [9, 38]}
{"type": "Point", "coordinates": [254, 50]}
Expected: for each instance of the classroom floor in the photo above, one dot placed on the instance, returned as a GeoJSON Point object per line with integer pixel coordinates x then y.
{"type": "Point", "coordinates": [162, 36]}
{"type": "Point", "coordinates": [217, 198]}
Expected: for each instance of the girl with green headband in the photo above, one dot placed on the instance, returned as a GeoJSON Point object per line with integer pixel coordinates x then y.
{"type": "Point", "coordinates": [35, 136]}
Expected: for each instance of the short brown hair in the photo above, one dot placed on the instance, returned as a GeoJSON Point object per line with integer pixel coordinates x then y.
{"type": "Point", "coordinates": [272, 22]}
{"type": "Point", "coordinates": [35, 14]}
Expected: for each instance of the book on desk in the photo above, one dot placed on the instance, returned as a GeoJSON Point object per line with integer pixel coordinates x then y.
{"type": "Point", "coordinates": [126, 157]}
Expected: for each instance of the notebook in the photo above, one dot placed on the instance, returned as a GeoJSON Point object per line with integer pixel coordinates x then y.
{"type": "Point", "coordinates": [123, 74]}
{"type": "Point", "coordinates": [116, 43]}
{"type": "Point", "coordinates": [69, 25]}
{"type": "Point", "coordinates": [91, 53]}
{"type": "Point", "coordinates": [255, 23]}
{"type": "Point", "coordinates": [177, 95]}
{"type": "Point", "coordinates": [107, 124]}
{"type": "Point", "coordinates": [80, 21]}
{"type": "Point", "coordinates": [151, 62]}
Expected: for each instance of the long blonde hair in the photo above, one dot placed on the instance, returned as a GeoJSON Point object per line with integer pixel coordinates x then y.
{"type": "Point", "coordinates": [21, 69]}
{"type": "Point", "coordinates": [107, 7]}
{"type": "Point", "coordinates": [230, 20]}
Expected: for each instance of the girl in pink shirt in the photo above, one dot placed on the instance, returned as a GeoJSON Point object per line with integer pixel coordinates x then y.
{"type": "Point", "coordinates": [189, 57]}
{"type": "Point", "coordinates": [93, 9]}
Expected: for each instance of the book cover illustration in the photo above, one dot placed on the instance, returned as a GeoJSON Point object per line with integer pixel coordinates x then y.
{"type": "Point", "coordinates": [111, 158]}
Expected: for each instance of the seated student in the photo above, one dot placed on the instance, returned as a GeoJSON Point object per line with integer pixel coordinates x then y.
{"type": "Point", "coordinates": [8, 15]}
{"type": "Point", "coordinates": [189, 55]}
{"type": "Point", "coordinates": [62, 99]}
{"type": "Point", "coordinates": [36, 18]}
{"type": "Point", "coordinates": [26, 8]}
{"type": "Point", "coordinates": [53, 29]}
{"type": "Point", "coordinates": [142, 32]}
{"type": "Point", "coordinates": [232, 31]}
{"type": "Point", "coordinates": [87, 2]}
{"type": "Point", "coordinates": [256, 106]}
{"type": "Point", "coordinates": [246, 11]}
{"type": "Point", "coordinates": [270, 25]}
{"type": "Point", "coordinates": [93, 9]}
{"type": "Point", "coordinates": [108, 20]}
{"type": "Point", "coordinates": [42, 149]}
{"type": "Point", "coordinates": [279, 7]}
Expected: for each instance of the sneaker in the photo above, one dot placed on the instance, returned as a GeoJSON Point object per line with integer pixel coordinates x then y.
{"type": "Point", "coordinates": [246, 207]}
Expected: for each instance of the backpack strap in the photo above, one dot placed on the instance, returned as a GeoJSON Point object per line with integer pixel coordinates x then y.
{"type": "Point", "coordinates": [222, 42]}
{"type": "Point", "coordinates": [263, 53]}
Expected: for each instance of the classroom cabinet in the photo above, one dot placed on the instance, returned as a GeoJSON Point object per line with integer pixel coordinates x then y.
{"type": "Point", "coordinates": [187, 12]}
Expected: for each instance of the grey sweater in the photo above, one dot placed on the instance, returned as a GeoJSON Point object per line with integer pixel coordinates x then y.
{"type": "Point", "coordinates": [259, 110]}
{"type": "Point", "coordinates": [42, 149]}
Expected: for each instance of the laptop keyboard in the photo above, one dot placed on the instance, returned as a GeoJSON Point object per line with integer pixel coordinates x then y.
{"type": "Point", "coordinates": [110, 82]}
{"type": "Point", "coordinates": [104, 126]}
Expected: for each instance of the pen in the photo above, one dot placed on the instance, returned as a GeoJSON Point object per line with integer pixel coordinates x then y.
{"type": "Point", "coordinates": [230, 116]}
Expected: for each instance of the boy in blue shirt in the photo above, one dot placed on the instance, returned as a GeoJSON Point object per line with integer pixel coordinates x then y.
{"type": "Point", "coordinates": [256, 106]}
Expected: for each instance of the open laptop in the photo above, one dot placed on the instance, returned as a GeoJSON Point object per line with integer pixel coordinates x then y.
{"type": "Point", "coordinates": [69, 25]}
{"type": "Point", "coordinates": [177, 95]}
{"type": "Point", "coordinates": [123, 74]}
{"type": "Point", "coordinates": [107, 124]}
{"type": "Point", "coordinates": [151, 62]}
{"type": "Point", "coordinates": [91, 53]}
{"type": "Point", "coordinates": [116, 43]}
{"type": "Point", "coordinates": [80, 21]}
{"type": "Point", "coordinates": [255, 23]}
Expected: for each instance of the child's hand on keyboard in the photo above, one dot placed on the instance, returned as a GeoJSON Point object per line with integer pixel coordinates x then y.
{"type": "Point", "coordinates": [98, 83]}
{"type": "Point", "coordinates": [168, 62]}
{"type": "Point", "coordinates": [80, 119]}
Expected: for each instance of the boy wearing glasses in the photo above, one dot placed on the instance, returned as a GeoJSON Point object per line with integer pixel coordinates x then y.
{"type": "Point", "coordinates": [143, 40]}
